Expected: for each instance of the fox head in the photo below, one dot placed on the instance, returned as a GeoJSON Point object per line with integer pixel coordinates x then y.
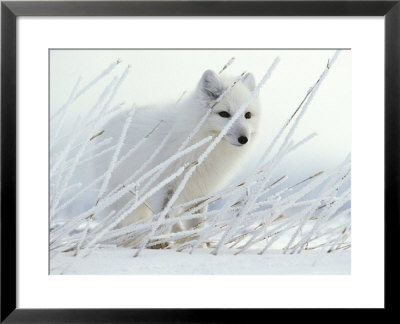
{"type": "Point", "coordinates": [210, 87]}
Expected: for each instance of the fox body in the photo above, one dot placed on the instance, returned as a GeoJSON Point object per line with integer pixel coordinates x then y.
{"type": "Point", "coordinates": [171, 125]}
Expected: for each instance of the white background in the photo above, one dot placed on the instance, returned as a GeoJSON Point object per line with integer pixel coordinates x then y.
{"type": "Point", "coordinates": [364, 288]}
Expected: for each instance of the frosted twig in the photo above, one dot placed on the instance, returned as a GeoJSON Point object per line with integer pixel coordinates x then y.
{"type": "Point", "coordinates": [116, 153]}
{"type": "Point", "coordinates": [308, 99]}
{"type": "Point", "coordinates": [63, 111]}
{"type": "Point", "coordinates": [77, 127]}
{"type": "Point", "coordinates": [304, 104]}
{"type": "Point", "coordinates": [302, 142]}
{"type": "Point", "coordinates": [227, 65]}
{"type": "Point", "coordinates": [328, 185]}
{"type": "Point", "coordinates": [87, 87]}
{"type": "Point", "coordinates": [92, 157]}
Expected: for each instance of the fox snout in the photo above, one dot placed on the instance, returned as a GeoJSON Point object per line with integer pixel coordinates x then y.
{"type": "Point", "coordinates": [243, 140]}
{"type": "Point", "coordinates": [238, 135]}
{"type": "Point", "coordinates": [241, 134]}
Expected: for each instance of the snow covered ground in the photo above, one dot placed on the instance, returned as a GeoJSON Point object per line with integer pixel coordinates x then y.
{"type": "Point", "coordinates": [121, 261]}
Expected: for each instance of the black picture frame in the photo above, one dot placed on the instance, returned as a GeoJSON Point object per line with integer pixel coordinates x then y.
{"type": "Point", "coordinates": [10, 10]}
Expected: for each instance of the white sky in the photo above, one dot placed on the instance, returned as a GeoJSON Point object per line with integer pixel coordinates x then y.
{"type": "Point", "coordinates": [159, 76]}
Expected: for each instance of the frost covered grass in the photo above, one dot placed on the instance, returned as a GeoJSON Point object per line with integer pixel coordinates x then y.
{"type": "Point", "coordinates": [256, 215]}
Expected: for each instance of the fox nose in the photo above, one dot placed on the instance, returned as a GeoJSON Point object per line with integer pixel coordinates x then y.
{"type": "Point", "coordinates": [242, 139]}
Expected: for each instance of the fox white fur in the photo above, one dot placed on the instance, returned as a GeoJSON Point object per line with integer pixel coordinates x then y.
{"type": "Point", "coordinates": [178, 121]}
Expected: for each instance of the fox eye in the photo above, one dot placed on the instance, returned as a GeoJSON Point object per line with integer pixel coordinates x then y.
{"type": "Point", "coordinates": [224, 114]}
{"type": "Point", "coordinates": [247, 115]}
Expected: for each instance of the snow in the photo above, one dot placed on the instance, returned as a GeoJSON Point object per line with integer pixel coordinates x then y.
{"type": "Point", "coordinates": [121, 261]}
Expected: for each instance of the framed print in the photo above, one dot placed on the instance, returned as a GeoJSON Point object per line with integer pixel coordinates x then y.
{"type": "Point", "coordinates": [163, 155]}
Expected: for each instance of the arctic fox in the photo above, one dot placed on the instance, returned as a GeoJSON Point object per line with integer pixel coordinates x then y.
{"type": "Point", "coordinates": [171, 125]}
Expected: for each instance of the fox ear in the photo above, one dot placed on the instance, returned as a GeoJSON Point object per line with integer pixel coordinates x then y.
{"type": "Point", "coordinates": [210, 85]}
{"type": "Point", "coordinates": [249, 81]}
